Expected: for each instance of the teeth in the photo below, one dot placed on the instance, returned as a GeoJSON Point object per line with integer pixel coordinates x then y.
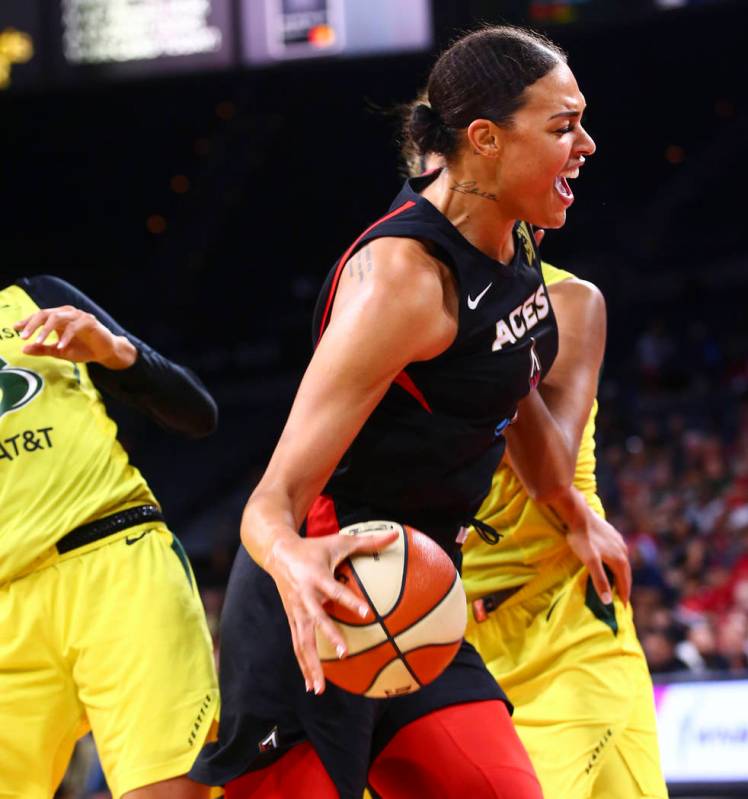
{"type": "Point", "coordinates": [562, 187]}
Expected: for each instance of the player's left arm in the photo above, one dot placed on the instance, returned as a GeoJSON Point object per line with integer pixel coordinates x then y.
{"type": "Point", "coordinates": [544, 441]}
{"type": "Point", "coordinates": [543, 445]}
{"type": "Point", "coordinates": [119, 363]}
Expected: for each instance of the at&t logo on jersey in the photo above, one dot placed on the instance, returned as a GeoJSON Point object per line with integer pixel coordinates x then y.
{"type": "Point", "coordinates": [17, 387]}
{"type": "Point", "coordinates": [522, 319]}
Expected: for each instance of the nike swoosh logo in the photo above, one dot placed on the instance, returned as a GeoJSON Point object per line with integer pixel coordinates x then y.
{"type": "Point", "coordinates": [134, 540]}
{"type": "Point", "coordinates": [473, 303]}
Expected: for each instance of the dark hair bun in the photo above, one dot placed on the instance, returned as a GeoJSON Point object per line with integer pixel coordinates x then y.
{"type": "Point", "coordinates": [428, 132]}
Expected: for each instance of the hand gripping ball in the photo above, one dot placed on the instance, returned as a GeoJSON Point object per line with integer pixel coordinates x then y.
{"type": "Point", "coordinates": [416, 620]}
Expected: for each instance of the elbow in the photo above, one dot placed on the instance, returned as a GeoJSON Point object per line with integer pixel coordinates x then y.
{"type": "Point", "coordinates": [204, 421]}
{"type": "Point", "coordinates": [208, 419]}
{"type": "Point", "coordinates": [546, 492]}
{"type": "Point", "coordinates": [548, 488]}
{"type": "Point", "coordinates": [247, 525]}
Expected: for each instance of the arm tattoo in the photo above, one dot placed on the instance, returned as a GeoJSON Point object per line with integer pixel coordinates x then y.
{"type": "Point", "coordinates": [361, 263]}
{"type": "Point", "coordinates": [471, 187]}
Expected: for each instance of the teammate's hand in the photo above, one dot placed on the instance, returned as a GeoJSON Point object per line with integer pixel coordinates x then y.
{"type": "Point", "coordinates": [80, 337]}
{"type": "Point", "coordinates": [303, 570]}
{"type": "Point", "coordinates": [600, 543]}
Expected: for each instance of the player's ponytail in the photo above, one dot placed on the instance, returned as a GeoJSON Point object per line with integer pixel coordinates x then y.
{"type": "Point", "coordinates": [427, 131]}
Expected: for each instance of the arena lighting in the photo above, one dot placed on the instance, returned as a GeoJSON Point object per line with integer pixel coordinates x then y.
{"type": "Point", "coordinates": [16, 47]}
{"type": "Point", "coordinates": [559, 12]}
{"type": "Point", "coordinates": [226, 110]}
{"type": "Point", "coordinates": [180, 184]}
{"type": "Point", "coordinates": [675, 154]}
{"type": "Point", "coordinates": [155, 224]}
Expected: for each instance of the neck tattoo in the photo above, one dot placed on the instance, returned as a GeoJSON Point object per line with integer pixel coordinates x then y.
{"type": "Point", "coordinates": [471, 187]}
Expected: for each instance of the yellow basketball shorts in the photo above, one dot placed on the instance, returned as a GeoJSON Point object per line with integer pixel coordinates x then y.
{"type": "Point", "coordinates": [577, 676]}
{"type": "Point", "coordinates": [111, 638]}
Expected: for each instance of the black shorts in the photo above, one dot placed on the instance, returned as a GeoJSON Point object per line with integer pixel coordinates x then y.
{"type": "Point", "coordinates": [265, 709]}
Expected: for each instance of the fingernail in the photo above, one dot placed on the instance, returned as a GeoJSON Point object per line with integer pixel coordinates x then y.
{"type": "Point", "coordinates": [340, 651]}
{"type": "Point", "coordinates": [59, 345]}
{"type": "Point", "coordinates": [363, 611]}
{"type": "Point", "coordinates": [307, 686]}
{"type": "Point", "coordinates": [317, 687]}
{"type": "Point", "coordinates": [607, 598]}
{"type": "Point", "coordinates": [24, 334]}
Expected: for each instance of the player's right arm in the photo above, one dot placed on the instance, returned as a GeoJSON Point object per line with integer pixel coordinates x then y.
{"type": "Point", "coordinates": [389, 310]}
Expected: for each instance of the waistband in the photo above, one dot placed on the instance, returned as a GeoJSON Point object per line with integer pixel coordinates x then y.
{"type": "Point", "coordinates": [555, 571]}
{"type": "Point", "coordinates": [485, 604]}
{"type": "Point", "coordinates": [108, 525]}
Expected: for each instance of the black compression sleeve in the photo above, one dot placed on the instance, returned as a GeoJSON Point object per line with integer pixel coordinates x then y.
{"type": "Point", "coordinates": [168, 393]}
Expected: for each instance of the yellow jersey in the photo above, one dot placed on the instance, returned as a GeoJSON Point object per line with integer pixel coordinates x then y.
{"type": "Point", "coordinates": [531, 533]}
{"type": "Point", "coordinates": [60, 462]}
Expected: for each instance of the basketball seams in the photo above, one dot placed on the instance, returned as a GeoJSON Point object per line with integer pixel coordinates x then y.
{"type": "Point", "coordinates": [377, 614]}
{"type": "Point", "coordinates": [360, 584]}
{"type": "Point", "coordinates": [403, 578]}
{"type": "Point", "coordinates": [402, 660]}
{"type": "Point", "coordinates": [363, 691]}
{"type": "Point", "coordinates": [423, 658]}
{"type": "Point", "coordinates": [424, 577]}
{"type": "Point", "coordinates": [432, 610]}
{"type": "Point", "coordinates": [358, 652]}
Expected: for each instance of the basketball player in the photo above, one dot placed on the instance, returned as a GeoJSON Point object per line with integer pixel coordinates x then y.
{"type": "Point", "coordinates": [542, 609]}
{"type": "Point", "coordinates": [400, 415]}
{"type": "Point", "coordinates": [563, 646]}
{"type": "Point", "coordinates": [535, 618]}
{"type": "Point", "coordinates": [103, 627]}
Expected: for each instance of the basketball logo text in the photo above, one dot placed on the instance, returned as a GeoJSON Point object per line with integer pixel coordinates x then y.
{"type": "Point", "coordinates": [522, 319]}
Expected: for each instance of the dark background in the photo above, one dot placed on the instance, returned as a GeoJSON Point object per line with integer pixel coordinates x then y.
{"type": "Point", "coordinates": [204, 210]}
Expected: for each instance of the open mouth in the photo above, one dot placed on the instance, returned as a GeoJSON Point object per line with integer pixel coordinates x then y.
{"type": "Point", "coordinates": [564, 191]}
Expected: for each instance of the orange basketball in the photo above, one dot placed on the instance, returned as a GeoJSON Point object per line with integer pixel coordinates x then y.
{"type": "Point", "coordinates": [416, 620]}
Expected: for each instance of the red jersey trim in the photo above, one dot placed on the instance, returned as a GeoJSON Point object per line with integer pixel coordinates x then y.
{"type": "Point", "coordinates": [404, 380]}
{"type": "Point", "coordinates": [336, 279]}
{"type": "Point", "coordinates": [322, 518]}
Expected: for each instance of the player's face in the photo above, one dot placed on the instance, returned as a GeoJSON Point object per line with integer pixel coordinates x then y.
{"type": "Point", "coordinates": [543, 149]}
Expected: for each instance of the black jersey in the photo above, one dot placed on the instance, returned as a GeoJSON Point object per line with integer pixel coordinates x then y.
{"type": "Point", "coordinates": [427, 453]}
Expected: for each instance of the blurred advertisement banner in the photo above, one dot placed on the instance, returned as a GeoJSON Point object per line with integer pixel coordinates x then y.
{"type": "Point", "coordinates": [703, 731]}
{"type": "Point", "coordinates": [281, 30]}
{"type": "Point", "coordinates": [140, 37]}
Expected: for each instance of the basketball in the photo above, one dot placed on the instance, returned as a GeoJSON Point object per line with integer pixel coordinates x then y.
{"type": "Point", "coordinates": [416, 620]}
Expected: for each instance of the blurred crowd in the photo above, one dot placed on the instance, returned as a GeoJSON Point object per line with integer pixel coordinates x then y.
{"type": "Point", "coordinates": [673, 474]}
